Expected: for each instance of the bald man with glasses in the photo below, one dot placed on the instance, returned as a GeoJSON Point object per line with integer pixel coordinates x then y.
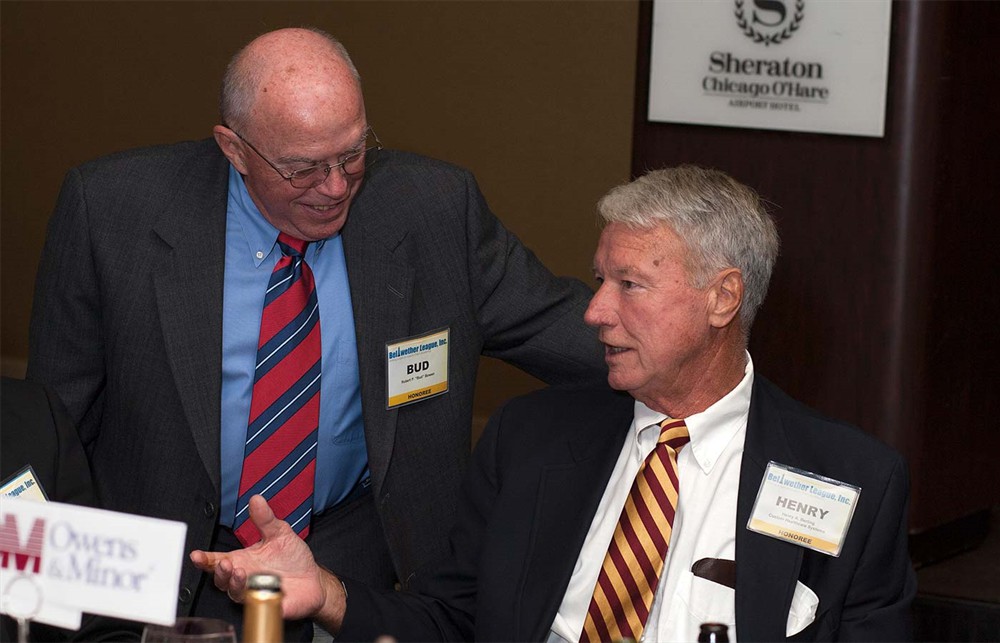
{"type": "Point", "coordinates": [162, 319]}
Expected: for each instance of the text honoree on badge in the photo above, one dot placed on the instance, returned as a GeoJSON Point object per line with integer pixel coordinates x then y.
{"type": "Point", "coordinates": [416, 368]}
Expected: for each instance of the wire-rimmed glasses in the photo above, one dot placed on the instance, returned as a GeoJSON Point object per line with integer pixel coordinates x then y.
{"type": "Point", "coordinates": [309, 177]}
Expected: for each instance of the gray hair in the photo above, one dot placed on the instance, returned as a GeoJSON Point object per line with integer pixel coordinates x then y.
{"type": "Point", "coordinates": [721, 221]}
{"type": "Point", "coordinates": [240, 80]}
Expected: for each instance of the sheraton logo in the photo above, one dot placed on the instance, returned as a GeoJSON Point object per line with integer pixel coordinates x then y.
{"type": "Point", "coordinates": [760, 81]}
{"type": "Point", "coordinates": [769, 22]}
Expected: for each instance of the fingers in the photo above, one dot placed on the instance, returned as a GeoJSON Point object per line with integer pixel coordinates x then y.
{"type": "Point", "coordinates": [230, 579]}
{"type": "Point", "coordinates": [237, 585]}
{"type": "Point", "coordinates": [205, 560]}
{"type": "Point", "coordinates": [229, 569]}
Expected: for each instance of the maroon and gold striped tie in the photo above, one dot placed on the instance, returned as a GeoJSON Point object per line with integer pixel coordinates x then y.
{"type": "Point", "coordinates": [627, 583]}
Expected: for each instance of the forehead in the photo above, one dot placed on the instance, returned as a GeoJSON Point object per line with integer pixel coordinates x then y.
{"type": "Point", "coordinates": [314, 144]}
{"type": "Point", "coordinates": [312, 115]}
{"type": "Point", "coordinates": [624, 249]}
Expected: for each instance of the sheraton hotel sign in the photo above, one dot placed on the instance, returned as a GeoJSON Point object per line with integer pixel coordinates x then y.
{"type": "Point", "coordinates": [796, 65]}
{"type": "Point", "coordinates": [728, 75]}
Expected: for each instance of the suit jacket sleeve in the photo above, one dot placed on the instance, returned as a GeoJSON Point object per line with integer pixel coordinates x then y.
{"type": "Point", "coordinates": [528, 317]}
{"type": "Point", "coordinates": [877, 604]}
{"type": "Point", "coordinates": [441, 604]}
{"type": "Point", "coordinates": [66, 344]}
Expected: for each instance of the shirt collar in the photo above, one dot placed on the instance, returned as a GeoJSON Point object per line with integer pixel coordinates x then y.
{"type": "Point", "coordinates": [712, 429]}
{"type": "Point", "coordinates": [260, 235]}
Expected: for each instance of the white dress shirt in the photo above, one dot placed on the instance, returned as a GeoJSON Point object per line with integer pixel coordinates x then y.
{"type": "Point", "coordinates": [704, 524]}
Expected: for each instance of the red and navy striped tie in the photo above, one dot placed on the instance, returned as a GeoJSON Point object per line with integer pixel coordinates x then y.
{"type": "Point", "coordinates": [280, 458]}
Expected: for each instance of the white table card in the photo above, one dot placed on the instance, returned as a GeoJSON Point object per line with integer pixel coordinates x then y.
{"type": "Point", "coordinates": [58, 560]}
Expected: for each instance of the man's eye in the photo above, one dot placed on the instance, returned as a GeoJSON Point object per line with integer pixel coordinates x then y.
{"type": "Point", "coordinates": [304, 172]}
{"type": "Point", "coordinates": [627, 285]}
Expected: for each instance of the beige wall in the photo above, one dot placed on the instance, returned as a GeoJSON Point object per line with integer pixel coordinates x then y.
{"type": "Point", "coordinates": [535, 97]}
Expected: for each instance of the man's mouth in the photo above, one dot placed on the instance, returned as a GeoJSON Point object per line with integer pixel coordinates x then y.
{"type": "Point", "coordinates": [323, 208]}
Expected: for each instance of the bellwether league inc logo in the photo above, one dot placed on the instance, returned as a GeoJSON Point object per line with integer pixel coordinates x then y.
{"type": "Point", "coordinates": [769, 21]}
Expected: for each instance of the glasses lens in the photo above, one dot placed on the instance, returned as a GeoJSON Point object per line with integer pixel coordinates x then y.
{"type": "Point", "coordinates": [355, 162]}
{"type": "Point", "coordinates": [308, 177]}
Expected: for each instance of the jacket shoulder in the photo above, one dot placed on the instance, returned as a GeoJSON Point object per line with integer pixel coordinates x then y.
{"type": "Point", "coordinates": [136, 163]}
{"type": "Point", "coordinates": [416, 175]}
{"type": "Point", "coordinates": [577, 401]}
{"type": "Point", "coordinates": [558, 410]}
{"type": "Point", "coordinates": [816, 437]}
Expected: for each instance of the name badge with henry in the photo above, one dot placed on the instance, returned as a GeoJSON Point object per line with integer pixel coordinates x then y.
{"type": "Point", "coordinates": [417, 368]}
{"type": "Point", "coordinates": [804, 508]}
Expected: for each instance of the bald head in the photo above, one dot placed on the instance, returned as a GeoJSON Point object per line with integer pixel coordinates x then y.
{"type": "Point", "coordinates": [291, 102]}
{"type": "Point", "coordinates": [290, 75]}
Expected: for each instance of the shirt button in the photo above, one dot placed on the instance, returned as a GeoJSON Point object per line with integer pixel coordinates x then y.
{"type": "Point", "coordinates": [260, 255]}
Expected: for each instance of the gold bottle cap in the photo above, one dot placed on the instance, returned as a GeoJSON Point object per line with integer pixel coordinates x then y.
{"type": "Point", "coordinates": [264, 581]}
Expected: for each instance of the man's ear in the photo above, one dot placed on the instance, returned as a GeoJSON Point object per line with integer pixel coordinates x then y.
{"type": "Point", "coordinates": [229, 143]}
{"type": "Point", "coordinates": [725, 297]}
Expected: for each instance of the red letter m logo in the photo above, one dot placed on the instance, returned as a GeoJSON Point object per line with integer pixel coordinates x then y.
{"type": "Point", "coordinates": [11, 547]}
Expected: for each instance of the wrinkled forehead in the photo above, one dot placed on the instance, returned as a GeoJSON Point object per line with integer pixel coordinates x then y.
{"type": "Point", "coordinates": [625, 249]}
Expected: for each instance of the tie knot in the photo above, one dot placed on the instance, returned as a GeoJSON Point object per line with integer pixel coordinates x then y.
{"type": "Point", "coordinates": [673, 433]}
{"type": "Point", "coordinates": [292, 247]}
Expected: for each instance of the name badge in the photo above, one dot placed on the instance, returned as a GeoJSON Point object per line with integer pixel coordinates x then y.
{"type": "Point", "coordinates": [804, 508]}
{"type": "Point", "coordinates": [23, 484]}
{"type": "Point", "coordinates": [417, 368]}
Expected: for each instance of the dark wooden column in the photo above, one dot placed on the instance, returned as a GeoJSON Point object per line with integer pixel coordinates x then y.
{"type": "Point", "coordinates": [883, 309]}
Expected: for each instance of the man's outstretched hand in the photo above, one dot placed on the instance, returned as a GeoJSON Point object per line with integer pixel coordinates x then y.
{"type": "Point", "coordinates": [309, 590]}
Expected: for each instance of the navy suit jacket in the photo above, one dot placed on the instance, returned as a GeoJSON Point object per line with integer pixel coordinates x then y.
{"type": "Point", "coordinates": [127, 329]}
{"type": "Point", "coordinates": [539, 473]}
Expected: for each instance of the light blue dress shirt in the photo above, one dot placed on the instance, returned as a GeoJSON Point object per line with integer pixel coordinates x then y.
{"type": "Point", "coordinates": [251, 253]}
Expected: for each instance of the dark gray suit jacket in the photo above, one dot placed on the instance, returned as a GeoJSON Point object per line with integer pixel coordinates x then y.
{"type": "Point", "coordinates": [127, 326]}
{"type": "Point", "coordinates": [538, 475]}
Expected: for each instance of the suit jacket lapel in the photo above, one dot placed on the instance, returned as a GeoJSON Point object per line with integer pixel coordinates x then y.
{"type": "Point", "coordinates": [766, 568]}
{"type": "Point", "coordinates": [571, 490]}
{"type": "Point", "coordinates": [188, 279]}
{"type": "Point", "coordinates": [381, 290]}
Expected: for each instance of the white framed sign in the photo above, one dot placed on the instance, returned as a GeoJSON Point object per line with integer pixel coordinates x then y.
{"type": "Point", "coordinates": [798, 65]}
{"type": "Point", "coordinates": [58, 561]}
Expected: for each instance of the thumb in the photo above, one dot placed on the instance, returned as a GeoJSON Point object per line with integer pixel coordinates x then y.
{"type": "Point", "coordinates": [264, 519]}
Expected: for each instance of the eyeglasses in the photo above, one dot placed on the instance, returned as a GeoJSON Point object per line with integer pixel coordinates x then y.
{"type": "Point", "coordinates": [309, 177]}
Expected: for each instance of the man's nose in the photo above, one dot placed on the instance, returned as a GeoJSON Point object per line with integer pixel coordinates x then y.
{"type": "Point", "coordinates": [598, 312]}
{"type": "Point", "coordinates": [335, 184]}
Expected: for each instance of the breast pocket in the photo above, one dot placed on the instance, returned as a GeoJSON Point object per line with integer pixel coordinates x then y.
{"type": "Point", "coordinates": [706, 601]}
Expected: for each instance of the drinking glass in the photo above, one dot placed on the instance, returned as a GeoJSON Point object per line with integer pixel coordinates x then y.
{"type": "Point", "coordinates": [191, 630]}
